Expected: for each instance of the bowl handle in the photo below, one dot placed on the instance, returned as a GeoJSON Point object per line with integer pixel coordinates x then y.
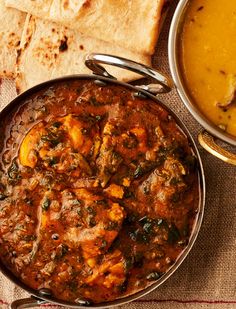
{"type": "Point", "coordinates": [27, 303]}
{"type": "Point", "coordinates": [210, 145]}
{"type": "Point", "coordinates": [164, 84]}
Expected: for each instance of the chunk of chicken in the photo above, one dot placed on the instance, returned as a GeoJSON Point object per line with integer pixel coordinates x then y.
{"type": "Point", "coordinates": [119, 145]}
{"type": "Point", "coordinates": [62, 145]}
{"type": "Point", "coordinates": [108, 160]}
{"type": "Point", "coordinates": [107, 218]}
{"type": "Point", "coordinates": [74, 128]}
{"type": "Point", "coordinates": [28, 148]}
{"type": "Point", "coordinates": [163, 185]}
{"type": "Point", "coordinates": [110, 273]}
{"type": "Point", "coordinates": [115, 191]}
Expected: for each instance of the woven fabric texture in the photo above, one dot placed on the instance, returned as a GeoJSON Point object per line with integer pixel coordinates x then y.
{"type": "Point", "coordinates": [207, 278]}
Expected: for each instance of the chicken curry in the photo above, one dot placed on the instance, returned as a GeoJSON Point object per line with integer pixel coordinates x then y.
{"type": "Point", "coordinates": [99, 191]}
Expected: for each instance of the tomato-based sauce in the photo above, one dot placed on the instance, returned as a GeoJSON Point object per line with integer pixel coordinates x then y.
{"type": "Point", "coordinates": [99, 191]}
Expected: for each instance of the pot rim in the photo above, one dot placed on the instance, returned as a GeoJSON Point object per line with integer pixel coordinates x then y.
{"type": "Point", "coordinates": [201, 202]}
{"type": "Point", "coordinates": [173, 40]}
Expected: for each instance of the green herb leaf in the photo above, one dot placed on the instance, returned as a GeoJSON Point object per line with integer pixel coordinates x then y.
{"type": "Point", "coordinates": [173, 234]}
{"type": "Point", "coordinates": [93, 101]}
{"type": "Point", "coordinates": [57, 124]}
{"type": "Point", "coordinates": [112, 226]}
{"type": "Point", "coordinates": [64, 249]}
{"type": "Point", "coordinates": [153, 276]}
{"type": "Point", "coordinates": [46, 204]}
{"type": "Point", "coordinates": [2, 196]}
{"type": "Point", "coordinates": [13, 171]}
{"type": "Point", "coordinates": [138, 172]}
{"type": "Point", "coordinates": [148, 227]}
{"type": "Point", "coordinates": [128, 263]}
{"type": "Point", "coordinates": [103, 244]}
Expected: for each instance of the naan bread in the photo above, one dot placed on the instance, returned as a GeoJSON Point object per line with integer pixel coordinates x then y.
{"type": "Point", "coordinates": [49, 50]}
{"type": "Point", "coordinates": [132, 24]}
{"type": "Point", "coordinates": [11, 25]}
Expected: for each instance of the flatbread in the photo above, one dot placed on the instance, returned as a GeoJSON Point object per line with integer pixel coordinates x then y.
{"type": "Point", "coordinates": [132, 24]}
{"type": "Point", "coordinates": [11, 25]}
{"type": "Point", "coordinates": [49, 50]}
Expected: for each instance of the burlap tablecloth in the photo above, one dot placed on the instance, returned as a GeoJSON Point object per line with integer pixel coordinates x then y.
{"type": "Point", "coordinates": [207, 278]}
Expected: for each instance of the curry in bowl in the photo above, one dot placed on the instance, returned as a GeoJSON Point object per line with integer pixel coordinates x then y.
{"type": "Point", "coordinates": [207, 52]}
{"type": "Point", "coordinates": [99, 191]}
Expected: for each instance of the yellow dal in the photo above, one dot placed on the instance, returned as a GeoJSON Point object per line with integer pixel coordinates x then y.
{"type": "Point", "coordinates": [208, 55]}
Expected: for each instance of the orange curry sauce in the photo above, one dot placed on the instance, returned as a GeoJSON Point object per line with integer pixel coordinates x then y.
{"type": "Point", "coordinates": [98, 191]}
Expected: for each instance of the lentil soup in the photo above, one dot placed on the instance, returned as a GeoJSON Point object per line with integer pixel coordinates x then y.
{"type": "Point", "coordinates": [207, 53]}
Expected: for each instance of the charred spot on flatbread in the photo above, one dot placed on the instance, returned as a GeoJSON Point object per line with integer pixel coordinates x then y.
{"type": "Point", "coordinates": [63, 45]}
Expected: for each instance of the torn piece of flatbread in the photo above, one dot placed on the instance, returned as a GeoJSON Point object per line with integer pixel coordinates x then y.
{"type": "Point", "coordinates": [132, 24]}
{"type": "Point", "coordinates": [49, 50]}
{"type": "Point", "coordinates": [11, 25]}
